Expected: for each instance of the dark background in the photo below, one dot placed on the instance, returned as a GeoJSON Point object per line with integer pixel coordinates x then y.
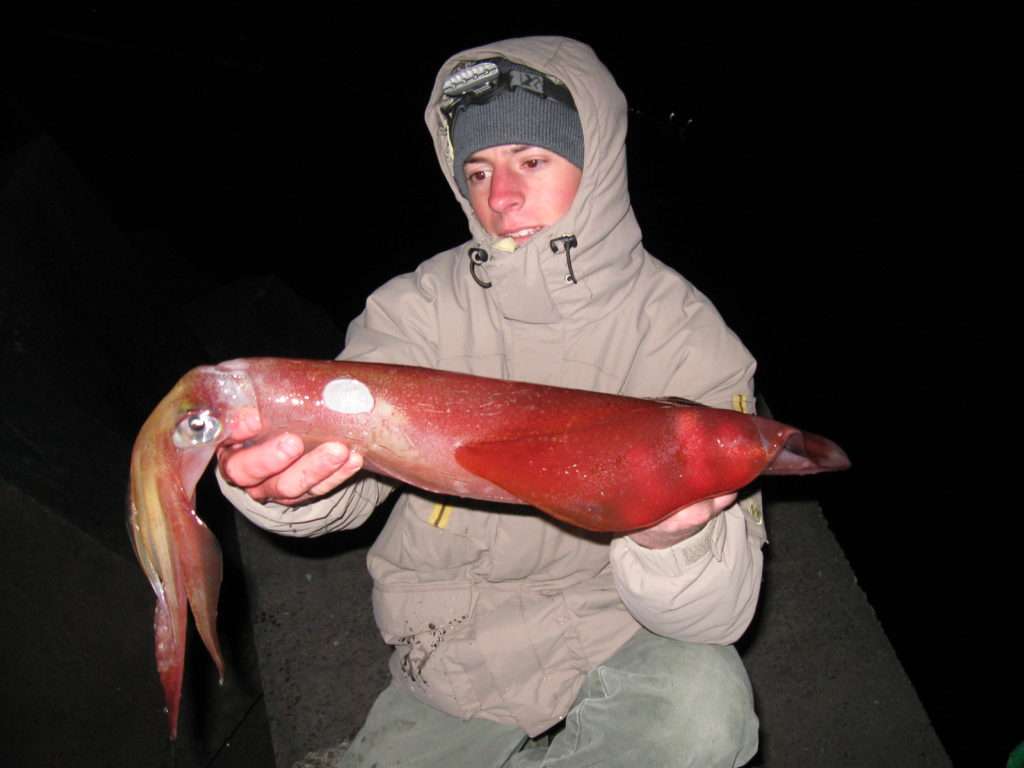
{"type": "Point", "coordinates": [803, 172]}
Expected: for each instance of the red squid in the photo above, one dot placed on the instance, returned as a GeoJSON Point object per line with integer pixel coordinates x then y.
{"type": "Point", "coordinates": [596, 461]}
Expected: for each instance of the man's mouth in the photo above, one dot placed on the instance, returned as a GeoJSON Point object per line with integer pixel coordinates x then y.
{"type": "Point", "coordinates": [522, 234]}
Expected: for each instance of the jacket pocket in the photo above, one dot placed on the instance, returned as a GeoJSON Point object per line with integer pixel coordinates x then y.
{"type": "Point", "coordinates": [521, 661]}
{"type": "Point", "coordinates": [424, 541]}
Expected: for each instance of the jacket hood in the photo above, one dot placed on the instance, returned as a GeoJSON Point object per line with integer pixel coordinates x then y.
{"type": "Point", "coordinates": [531, 283]}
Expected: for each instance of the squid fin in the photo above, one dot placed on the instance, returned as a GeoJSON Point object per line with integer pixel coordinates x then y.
{"type": "Point", "coordinates": [606, 476]}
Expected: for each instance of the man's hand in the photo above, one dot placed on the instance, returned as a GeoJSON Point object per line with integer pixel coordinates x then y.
{"type": "Point", "coordinates": [683, 524]}
{"type": "Point", "coordinates": [278, 468]}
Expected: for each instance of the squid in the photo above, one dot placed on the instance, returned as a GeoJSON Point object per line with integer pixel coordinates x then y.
{"type": "Point", "coordinates": [596, 461]}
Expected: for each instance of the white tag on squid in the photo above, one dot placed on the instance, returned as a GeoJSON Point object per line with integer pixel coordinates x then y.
{"type": "Point", "coordinates": [348, 396]}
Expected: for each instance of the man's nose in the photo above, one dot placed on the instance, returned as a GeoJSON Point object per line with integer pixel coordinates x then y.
{"type": "Point", "coordinates": [506, 193]}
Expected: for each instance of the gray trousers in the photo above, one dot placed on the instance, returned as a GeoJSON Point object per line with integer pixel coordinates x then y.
{"type": "Point", "coordinates": [656, 703]}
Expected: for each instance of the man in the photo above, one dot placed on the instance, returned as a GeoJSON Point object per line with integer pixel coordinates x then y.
{"type": "Point", "coordinates": [520, 641]}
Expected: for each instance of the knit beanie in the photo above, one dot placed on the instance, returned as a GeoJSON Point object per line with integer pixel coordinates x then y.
{"type": "Point", "coordinates": [519, 112]}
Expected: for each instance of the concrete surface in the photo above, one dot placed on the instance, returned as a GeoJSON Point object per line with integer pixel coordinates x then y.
{"type": "Point", "coordinates": [829, 687]}
{"type": "Point", "coordinates": [76, 660]}
{"type": "Point", "coordinates": [321, 657]}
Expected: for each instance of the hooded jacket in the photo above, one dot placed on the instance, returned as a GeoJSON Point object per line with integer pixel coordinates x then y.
{"type": "Point", "coordinates": [498, 611]}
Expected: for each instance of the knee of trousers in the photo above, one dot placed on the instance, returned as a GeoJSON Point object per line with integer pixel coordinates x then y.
{"type": "Point", "coordinates": [689, 699]}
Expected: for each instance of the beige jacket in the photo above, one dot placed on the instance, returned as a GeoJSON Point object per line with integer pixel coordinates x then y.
{"type": "Point", "coordinates": [497, 611]}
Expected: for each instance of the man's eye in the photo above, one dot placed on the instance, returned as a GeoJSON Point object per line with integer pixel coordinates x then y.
{"type": "Point", "coordinates": [475, 177]}
{"type": "Point", "coordinates": [533, 162]}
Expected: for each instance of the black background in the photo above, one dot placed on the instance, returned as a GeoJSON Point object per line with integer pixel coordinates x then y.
{"type": "Point", "coordinates": [806, 172]}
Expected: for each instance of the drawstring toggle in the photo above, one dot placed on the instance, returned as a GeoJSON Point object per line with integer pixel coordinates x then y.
{"type": "Point", "coordinates": [478, 257]}
{"type": "Point", "coordinates": [567, 242]}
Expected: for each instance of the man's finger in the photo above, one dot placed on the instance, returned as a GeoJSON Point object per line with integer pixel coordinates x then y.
{"type": "Point", "coordinates": [352, 464]}
{"type": "Point", "coordinates": [251, 466]}
{"type": "Point", "coordinates": [244, 423]}
{"type": "Point", "coordinates": [299, 479]}
{"type": "Point", "coordinates": [722, 503]}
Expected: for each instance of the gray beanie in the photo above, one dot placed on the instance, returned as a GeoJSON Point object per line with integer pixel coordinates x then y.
{"type": "Point", "coordinates": [518, 114]}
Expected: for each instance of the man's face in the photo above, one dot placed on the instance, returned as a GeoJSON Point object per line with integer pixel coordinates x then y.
{"type": "Point", "coordinates": [516, 190]}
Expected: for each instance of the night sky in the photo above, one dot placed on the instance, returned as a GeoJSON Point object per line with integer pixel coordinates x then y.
{"type": "Point", "coordinates": [799, 171]}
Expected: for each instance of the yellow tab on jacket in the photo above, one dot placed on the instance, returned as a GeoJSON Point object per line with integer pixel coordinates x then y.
{"type": "Point", "coordinates": [741, 403]}
{"type": "Point", "coordinates": [752, 506]}
{"type": "Point", "coordinates": [440, 516]}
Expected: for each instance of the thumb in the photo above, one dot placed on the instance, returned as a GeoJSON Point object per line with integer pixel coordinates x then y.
{"type": "Point", "coordinates": [722, 503]}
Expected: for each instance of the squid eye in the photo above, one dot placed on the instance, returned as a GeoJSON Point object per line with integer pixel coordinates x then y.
{"type": "Point", "coordinates": [197, 428]}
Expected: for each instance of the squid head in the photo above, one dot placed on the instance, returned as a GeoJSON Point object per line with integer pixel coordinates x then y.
{"type": "Point", "coordinates": [179, 554]}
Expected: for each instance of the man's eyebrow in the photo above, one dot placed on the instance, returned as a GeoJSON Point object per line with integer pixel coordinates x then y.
{"type": "Point", "coordinates": [515, 151]}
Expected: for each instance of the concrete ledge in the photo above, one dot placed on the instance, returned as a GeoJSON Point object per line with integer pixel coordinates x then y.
{"type": "Point", "coordinates": [80, 685]}
{"type": "Point", "coordinates": [829, 687]}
